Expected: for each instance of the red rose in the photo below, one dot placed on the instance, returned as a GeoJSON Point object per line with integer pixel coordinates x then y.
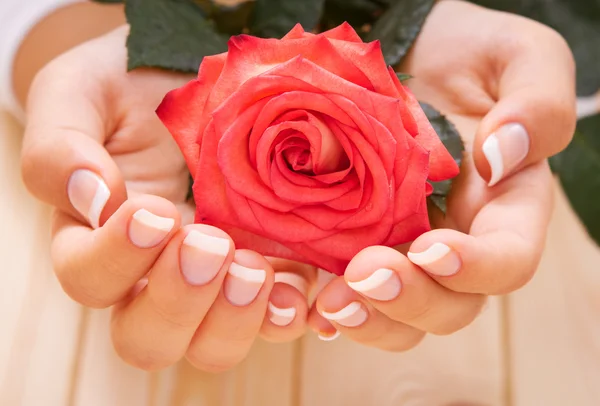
{"type": "Point", "coordinates": [307, 148]}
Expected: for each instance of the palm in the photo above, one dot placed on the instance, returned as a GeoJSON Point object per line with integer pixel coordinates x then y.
{"type": "Point", "coordinates": [146, 154]}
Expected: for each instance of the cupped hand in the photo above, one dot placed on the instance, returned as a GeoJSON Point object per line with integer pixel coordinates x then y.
{"type": "Point", "coordinates": [508, 85]}
{"type": "Point", "coordinates": [95, 150]}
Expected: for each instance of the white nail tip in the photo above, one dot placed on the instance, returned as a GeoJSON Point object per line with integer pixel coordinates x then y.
{"type": "Point", "coordinates": [247, 274]}
{"type": "Point", "coordinates": [491, 150]}
{"type": "Point", "coordinates": [375, 280]}
{"type": "Point", "coordinates": [329, 338]}
{"type": "Point", "coordinates": [152, 220]}
{"type": "Point", "coordinates": [98, 202]}
{"type": "Point", "coordinates": [434, 253]}
{"type": "Point", "coordinates": [294, 280]}
{"type": "Point", "coordinates": [345, 313]}
{"type": "Point", "coordinates": [207, 243]}
{"type": "Point", "coordinates": [281, 317]}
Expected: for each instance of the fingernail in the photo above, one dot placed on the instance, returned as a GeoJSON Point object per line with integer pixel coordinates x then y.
{"type": "Point", "coordinates": [294, 280]}
{"type": "Point", "coordinates": [147, 230]}
{"type": "Point", "coordinates": [202, 256]}
{"type": "Point", "coordinates": [505, 150]}
{"type": "Point", "coordinates": [242, 284]}
{"type": "Point", "coordinates": [383, 284]}
{"type": "Point", "coordinates": [328, 337]}
{"type": "Point", "coordinates": [281, 317]}
{"type": "Point", "coordinates": [88, 194]}
{"type": "Point", "coordinates": [439, 259]}
{"type": "Point", "coordinates": [352, 315]}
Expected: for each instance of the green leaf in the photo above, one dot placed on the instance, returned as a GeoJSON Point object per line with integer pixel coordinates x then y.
{"type": "Point", "coordinates": [403, 77]}
{"type": "Point", "coordinates": [275, 18]}
{"type": "Point", "coordinates": [358, 13]}
{"type": "Point", "coordinates": [578, 21]}
{"type": "Point", "coordinates": [108, 1]}
{"type": "Point", "coordinates": [453, 143]}
{"type": "Point", "coordinates": [579, 174]}
{"type": "Point", "coordinates": [170, 34]}
{"type": "Point", "coordinates": [399, 26]}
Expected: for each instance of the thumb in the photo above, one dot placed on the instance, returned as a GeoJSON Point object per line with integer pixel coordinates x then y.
{"type": "Point", "coordinates": [64, 162]}
{"type": "Point", "coordinates": [534, 117]}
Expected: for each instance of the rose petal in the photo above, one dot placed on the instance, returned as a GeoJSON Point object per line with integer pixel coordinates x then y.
{"type": "Point", "coordinates": [369, 59]}
{"type": "Point", "coordinates": [285, 227]}
{"type": "Point", "coordinates": [209, 185]}
{"type": "Point", "coordinates": [391, 112]}
{"type": "Point", "coordinates": [292, 100]}
{"type": "Point", "coordinates": [233, 160]}
{"type": "Point", "coordinates": [410, 228]}
{"type": "Point", "coordinates": [373, 205]}
{"type": "Point", "coordinates": [269, 140]}
{"type": "Point", "coordinates": [411, 191]}
{"type": "Point", "coordinates": [343, 32]}
{"type": "Point", "coordinates": [441, 164]}
{"type": "Point", "coordinates": [295, 33]}
{"type": "Point", "coordinates": [307, 195]}
{"type": "Point", "coordinates": [181, 109]}
{"type": "Point", "coordinates": [346, 244]}
{"type": "Point", "coordinates": [250, 56]}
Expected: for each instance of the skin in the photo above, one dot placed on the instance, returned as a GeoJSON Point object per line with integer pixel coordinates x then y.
{"type": "Point", "coordinates": [85, 111]}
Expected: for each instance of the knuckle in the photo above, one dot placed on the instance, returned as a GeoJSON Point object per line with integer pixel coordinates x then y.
{"type": "Point", "coordinates": [211, 364]}
{"type": "Point", "coordinates": [172, 310]}
{"type": "Point", "coordinates": [140, 356]}
{"type": "Point", "coordinates": [84, 294]}
{"type": "Point", "coordinates": [85, 287]}
{"type": "Point", "coordinates": [407, 342]}
{"type": "Point", "coordinates": [419, 309]}
{"type": "Point", "coordinates": [451, 325]}
{"type": "Point", "coordinates": [31, 157]}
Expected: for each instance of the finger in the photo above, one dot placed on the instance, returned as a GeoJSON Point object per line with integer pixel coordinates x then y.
{"type": "Point", "coordinates": [154, 330]}
{"type": "Point", "coordinates": [404, 293]}
{"type": "Point", "coordinates": [286, 314]}
{"type": "Point", "coordinates": [505, 242]}
{"type": "Point", "coordinates": [358, 320]}
{"type": "Point", "coordinates": [231, 326]}
{"type": "Point", "coordinates": [288, 304]}
{"type": "Point", "coordinates": [98, 267]}
{"type": "Point", "coordinates": [64, 162]}
{"type": "Point", "coordinates": [535, 115]}
{"type": "Point", "coordinates": [320, 325]}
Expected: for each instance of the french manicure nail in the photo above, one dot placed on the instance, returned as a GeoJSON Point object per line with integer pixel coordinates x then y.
{"type": "Point", "coordinates": [328, 337]}
{"type": "Point", "coordinates": [242, 284]}
{"type": "Point", "coordinates": [294, 280]}
{"type": "Point", "coordinates": [439, 259]}
{"type": "Point", "coordinates": [88, 194]}
{"type": "Point", "coordinates": [147, 230]}
{"type": "Point", "coordinates": [202, 256]}
{"type": "Point", "coordinates": [505, 150]}
{"type": "Point", "coordinates": [352, 315]}
{"type": "Point", "coordinates": [281, 317]}
{"type": "Point", "coordinates": [383, 285]}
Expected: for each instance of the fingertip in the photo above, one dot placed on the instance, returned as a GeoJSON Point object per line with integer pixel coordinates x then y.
{"type": "Point", "coordinates": [286, 314]}
{"type": "Point", "coordinates": [364, 263]}
{"type": "Point", "coordinates": [249, 279]}
{"type": "Point", "coordinates": [321, 326]}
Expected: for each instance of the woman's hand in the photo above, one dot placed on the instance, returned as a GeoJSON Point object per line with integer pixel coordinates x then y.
{"type": "Point", "coordinates": [508, 85]}
{"type": "Point", "coordinates": [96, 151]}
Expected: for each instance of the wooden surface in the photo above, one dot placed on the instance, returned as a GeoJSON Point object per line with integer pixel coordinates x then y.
{"type": "Point", "coordinates": [540, 346]}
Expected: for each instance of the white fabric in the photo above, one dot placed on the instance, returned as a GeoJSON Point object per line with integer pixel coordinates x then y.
{"type": "Point", "coordinates": [17, 17]}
